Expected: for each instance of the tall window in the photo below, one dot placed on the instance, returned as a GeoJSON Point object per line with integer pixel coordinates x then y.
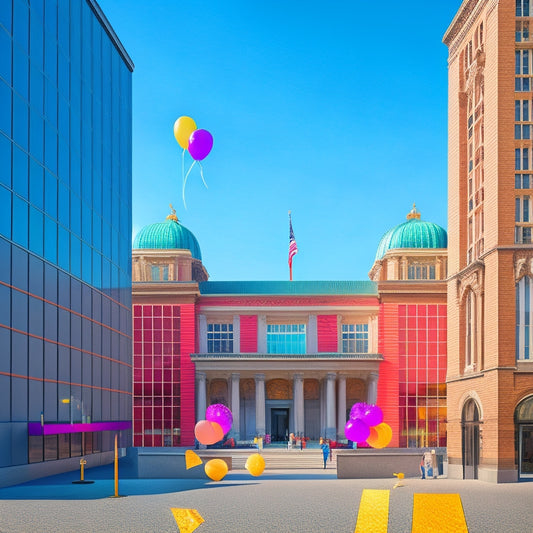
{"type": "Point", "coordinates": [286, 338]}
{"type": "Point", "coordinates": [523, 70]}
{"type": "Point", "coordinates": [523, 220]}
{"type": "Point", "coordinates": [523, 318]}
{"type": "Point", "coordinates": [522, 31]}
{"type": "Point", "coordinates": [522, 8]}
{"type": "Point", "coordinates": [220, 338]}
{"type": "Point", "coordinates": [522, 158]}
{"type": "Point", "coordinates": [471, 331]}
{"type": "Point", "coordinates": [160, 273]}
{"type": "Point", "coordinates": [522, 131]}
{"type": "Point", "coordinates": [355, 338]}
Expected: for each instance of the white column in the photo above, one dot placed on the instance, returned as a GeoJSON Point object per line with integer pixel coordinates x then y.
{"type": "Point", "coordinates": [341, 403]}
{"type": "Point", "coordinates": [235, 406]}
{"type": "Point", "coordinates": [260, 426]}
{"type": "Point", "coordinates": [261, 334]}
{"type": "Point", "coordinates": [236, 334]}
{"type": "Point", "coordinates": [372, 388]}
{"type": "Point", "coordinates": [298, 401]}
{"type": "Point", "coordinates": [201, 396]}
{"type": "Point", "coordinates": [331, 428]}
{"type": "Point", "coordinates": [202, 336]}
{"type": "Point", "coordinates": [312, 335]}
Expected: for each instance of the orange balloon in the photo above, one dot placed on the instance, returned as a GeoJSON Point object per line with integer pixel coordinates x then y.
{"type": "Point", "coordinates": [208, 432]}
{"type": "Point", "coordinates": [216, 469]}
{"type": "Point", "coordinates": [373, 437]}
{"type": "Point", "coordinates": [384, 433]}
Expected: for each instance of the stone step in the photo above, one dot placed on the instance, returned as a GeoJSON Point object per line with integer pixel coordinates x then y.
{"type": "Point", "coordinates": [278, 459]}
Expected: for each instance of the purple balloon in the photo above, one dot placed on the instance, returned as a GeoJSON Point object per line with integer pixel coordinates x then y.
{"type": "Point", "coordinates": [373, 415]}
{"type": "Point", "coordinates": [200, 144]}
{"type": "Point", "coordinates": [221, 414]}
{"type": "Point", "coordinates": [358, 410]}
{"type": "Point", "coordinates": [356, 430]}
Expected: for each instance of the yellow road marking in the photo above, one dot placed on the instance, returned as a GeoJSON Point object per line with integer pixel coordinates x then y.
{"type": "Point", "coordinates": [373, 516]}
{"type": "Point", "coordinates": [442, 513]}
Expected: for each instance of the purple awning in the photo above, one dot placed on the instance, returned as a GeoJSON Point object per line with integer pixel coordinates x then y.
{"type": "Point", "coordinates": [35, 428]}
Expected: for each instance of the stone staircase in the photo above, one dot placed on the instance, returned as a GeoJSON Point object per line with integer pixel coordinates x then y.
{"type": "Point", "coordinates": [277, 459]}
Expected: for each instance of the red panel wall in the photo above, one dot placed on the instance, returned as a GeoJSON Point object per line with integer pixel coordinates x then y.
{"type": "Point", "coordinates": [188, 343]}
{"type": "Point", "coordinates": [388, 389]}
{"type": "Point", "coordinates": [327, 333]}
{"type": "Point", "coordinates": [249, 333]}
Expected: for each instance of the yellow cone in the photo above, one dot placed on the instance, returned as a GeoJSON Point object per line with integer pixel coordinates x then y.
{"type": "Point", "coordinates": [187, 519]}
{"type": "Point", "coordinates": [192, 459]}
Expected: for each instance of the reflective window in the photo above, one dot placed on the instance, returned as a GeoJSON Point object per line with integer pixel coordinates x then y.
{"type": "Point", "coordinates": [6, 14]}
{"type": "Point", "coordinates": [286, 338]}
{"type": "Point", "coordinates": [5, 55]}
{"type": "Point", "coordinates": [50, 195]}
{"type": "Point", "coordinates": [37, 89]}
{"type": "Point", "coordinates": [63, 248]}
{"type": "Point", "coordinates": [36, 188]}
{"type": "Point", "coordinates": [50, 57]}
{"type": "Point", "coordinates": [5, 108]}
{"type": "Point", "coordinates": [5, 157]}
{"type": "Point", "coordinates": [36, 135]}
{"type": "Point", "coordinates": [20, 172]}
{"type": "Point", "coordinates": [50, 240]}
{"type": "Point", "coordinates": [21, 24]}
{"type": "Point", "coordinates": [20, 72]}
{"type": "Point", "coordinates": [50, 148]}
{"type": "Point", "coordinates": [36, 231]}
{"type": "Point", "coordinates": [5, 212]}
{"type": "Point", "coordinates": [36, 38]}
{"type": "Point", "coordinates": [20, 221]}
{"type": "Point", "coordinates": [20, 126]}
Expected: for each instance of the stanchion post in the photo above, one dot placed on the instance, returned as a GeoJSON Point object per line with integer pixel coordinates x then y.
{"type": "Point", "coordinates": [116, 465]}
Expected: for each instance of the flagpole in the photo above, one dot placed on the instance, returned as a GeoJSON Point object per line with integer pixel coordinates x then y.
{"type": "Point", "coordinates": [290, 259]}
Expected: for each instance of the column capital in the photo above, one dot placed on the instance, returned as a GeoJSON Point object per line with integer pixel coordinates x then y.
{"type": "Point", "coordinates": [331, 376]}
{"type": "Point", "coordinates": [201, 376]}
{"type": "Point", "coordinates": [259, 377]}
{"type": "Point", "coordinates": [298, 377]}
{"type": "Point", "coordinates": [235, 375]}
{"type": "Point", "coordinates": [373, 376]}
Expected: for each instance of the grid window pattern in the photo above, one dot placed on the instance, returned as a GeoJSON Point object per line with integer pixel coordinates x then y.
{"type": "Point", "coordinates": [522, 181]}
{"type": "Point", "coordinates": [422, 375]}
{"type": "Point", "coordinates": [286, 338]}
{"type": "Point", "coordinates": [523, 219]}
{"type": "Point", "coordinates": [65, 227]}
{"type": "Point", "coordinates": [220, 338]}
{"type": "Point", "coordinates": [522, 8]}
{"type": "Point", "coordinates": [354, 338]}
{"type": "Point", "coordinates": [156, 375]}
{"type": "Point", "coordinates": [522, 114]}
{"type": "Point", "coordinates": [522, 34]}
{"type": "Point", "coordinates": [522, 159]}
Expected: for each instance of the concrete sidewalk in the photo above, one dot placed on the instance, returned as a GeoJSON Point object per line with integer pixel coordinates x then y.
{"type": "Point", "coordinates": [277, 501]}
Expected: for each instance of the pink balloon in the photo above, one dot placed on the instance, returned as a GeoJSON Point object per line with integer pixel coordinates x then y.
{"type": "Point", "coordinates": [356, 430]}
{"type": "Point", "coordinates": [200, 144]}
{"type": "Point", "coordinates": [221, 414]}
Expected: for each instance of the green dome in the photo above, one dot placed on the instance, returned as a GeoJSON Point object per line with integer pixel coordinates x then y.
{"type": "Point", "coordinates": [168, 235]}
{"type": "Point", "coordinates": [414, 233]}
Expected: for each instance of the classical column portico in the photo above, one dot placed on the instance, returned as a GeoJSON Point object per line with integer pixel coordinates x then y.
{"type": "Point", "coordinates": [201, 401]}
{"type": "Point", "coordinates": [372, 388]}
{"type": "Point", "coordinates": [331, 429]}
{"type": "Point", "coordinates": [260, 426]}
{"type": "Point", "coordinates": [341, 402]}
{"type": "Point", "coordinates": [298, 395]}
{"type": "Point", "coordinates": [235, 406]}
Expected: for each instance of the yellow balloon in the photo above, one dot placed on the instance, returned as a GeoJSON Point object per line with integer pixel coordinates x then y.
{"type": "Point", "coordinates": [255, 464]}
{"type": "Point", "coordinates": [384, 436]}
{"type": "Point", "coordinates": [216, 469]}
{"type": "Point", "coordinates": [183, 127]}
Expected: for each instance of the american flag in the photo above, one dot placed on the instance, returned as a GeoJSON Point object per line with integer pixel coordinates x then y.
{"type": "Point", "coordinates": [293, 249]}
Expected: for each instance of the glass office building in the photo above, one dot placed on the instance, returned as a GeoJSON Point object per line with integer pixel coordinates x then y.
{"type": "Point", "coordinates": [65, 237]}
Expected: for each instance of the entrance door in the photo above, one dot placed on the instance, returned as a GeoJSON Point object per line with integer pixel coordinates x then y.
{"type": "Point", "coordinates": [279, 424]}
{"type": "Point", "coordinates": [470, 440]}
{"type": "Point", "coordinates": [525, 440]}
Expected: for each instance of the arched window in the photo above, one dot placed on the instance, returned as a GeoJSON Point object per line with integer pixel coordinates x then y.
{"type": "Point", "coordinates": [523, 318]}
{"type": "Point", "coordinates": [471, 331]}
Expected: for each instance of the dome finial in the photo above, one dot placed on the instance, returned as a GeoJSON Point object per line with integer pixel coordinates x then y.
{"type": "Point", "coordinates": [414, 213]}
{"type": "Point", "coordinates": [172, 215]}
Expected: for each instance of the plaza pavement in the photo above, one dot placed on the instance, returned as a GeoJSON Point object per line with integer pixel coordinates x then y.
{"type": "Point", "coordinates": [311, 500]}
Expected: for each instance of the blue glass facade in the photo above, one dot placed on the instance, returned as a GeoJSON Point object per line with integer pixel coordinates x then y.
{"type": "Point", "coordinates": [65, 228]}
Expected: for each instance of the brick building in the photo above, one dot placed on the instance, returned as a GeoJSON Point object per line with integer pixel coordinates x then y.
{"type": "Point", "coordinates": [490, 380]}
{"type": "Point", "coordinates": [289, 356]}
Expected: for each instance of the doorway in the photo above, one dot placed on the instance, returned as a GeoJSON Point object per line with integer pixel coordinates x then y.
{"type": "Point", "coordinates": [525, 458]}
{"type": "Point", "coordinates": [279, 424]}
{"type": "Point", "coordinates": [470, 440]}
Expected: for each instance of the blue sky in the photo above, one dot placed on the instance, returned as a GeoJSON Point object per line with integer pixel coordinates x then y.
{"type": "Point", "coordinates": [336, 111]}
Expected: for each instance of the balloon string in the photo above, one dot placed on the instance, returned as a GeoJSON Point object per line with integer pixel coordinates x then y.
{"type": "Point", "coordinates": [185, 182]}
{"type": "Point", "coordinates": [202, 174]}
{"type": "Point", "coordinates": [183, 164]}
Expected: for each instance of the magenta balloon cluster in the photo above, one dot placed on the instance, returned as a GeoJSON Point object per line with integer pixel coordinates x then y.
{"type": "Point", "coordinates": [362, 418]}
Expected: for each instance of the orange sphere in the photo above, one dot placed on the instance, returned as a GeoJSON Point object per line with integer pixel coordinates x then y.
{"type": "Point", "coordinates": [216, 469]}
{"type": "Point", "coordinates": [208, 432]}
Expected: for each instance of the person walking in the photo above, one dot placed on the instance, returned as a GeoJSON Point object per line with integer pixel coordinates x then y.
{"type": "Point", "coordinates": [422, 468]}
{"type": "Point", "coordinates": [325, 451]}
